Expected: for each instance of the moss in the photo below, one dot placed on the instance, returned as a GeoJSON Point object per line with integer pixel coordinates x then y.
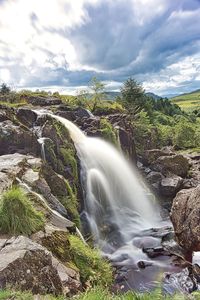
{"type": "Point", "coordinates": [93, 268]}
{"type": "Point", "coordinates": [58, 244]}
{"type": "Point", "coordinates": [17, 215]}
{"type": "Point", "coordinates": [70, 202]}
{"type": "Point", "coordinates": [108, 132]}
{"type": "Point", "coordinates": [68, 156]}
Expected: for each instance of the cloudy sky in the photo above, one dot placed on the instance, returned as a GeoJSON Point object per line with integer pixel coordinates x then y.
{"type": "Point", "coordinates": [61, 44]}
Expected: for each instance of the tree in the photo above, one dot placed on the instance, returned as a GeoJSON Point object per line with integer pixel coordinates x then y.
{"type": "Point", "coordinates": [4, 89]}
{"type": "Point", "coordinates": [133, 96]}
{"type": "Point", "coordinates": [97, 89]}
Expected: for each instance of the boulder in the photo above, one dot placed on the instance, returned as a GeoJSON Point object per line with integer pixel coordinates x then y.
{"type": "Point", "coordinates": [175, 164]}
{"type": "Point", "coordinates": [26, 265]}
{"type": "Point", "coordinates": [185, 216]}
{"type": "Point", "coordinates": [152, 155]}
{"type": "Point", "coordinates": [169, 186]}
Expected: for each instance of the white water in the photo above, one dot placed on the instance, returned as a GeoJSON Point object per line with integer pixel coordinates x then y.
{"type": "Point", "coordinates": [113, 193]}
{"type": "Point", "coordinates": [41, 141]}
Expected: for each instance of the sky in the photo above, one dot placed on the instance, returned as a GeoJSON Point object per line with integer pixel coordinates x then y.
{"type": "Point", "coordinates": [61, 44]}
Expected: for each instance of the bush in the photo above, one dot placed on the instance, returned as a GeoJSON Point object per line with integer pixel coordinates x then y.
{"type": "Point", "coordinates": [17, 215]}
{"type": "Point", "coordinates": [184, 135]}
{"type": "Point", "coordinates": [93, 268]}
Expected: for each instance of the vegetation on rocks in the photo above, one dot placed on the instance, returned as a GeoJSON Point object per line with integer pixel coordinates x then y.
{"type": "Point", "coordinates": [93, 268]}
{"type": "Point", "coordinates": [17, 215]}
{"type": "Point", "coordinates": [107, 131]}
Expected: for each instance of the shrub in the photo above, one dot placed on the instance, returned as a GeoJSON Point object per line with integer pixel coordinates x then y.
{"type": "Point", "coordinates": [17, 215]}
{"type": "Point", "coordinates": [93, 268]}
{"type": "Point", "coordinates": [184, 135]}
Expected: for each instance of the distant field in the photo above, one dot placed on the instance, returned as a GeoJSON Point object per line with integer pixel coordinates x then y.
{"type": "Point", "coordinates": [188, 102]}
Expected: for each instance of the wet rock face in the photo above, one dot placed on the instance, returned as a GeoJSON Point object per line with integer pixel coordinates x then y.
{"type": "Point", "coordinates": [27, 265]}
{"type": "Point", "coordinates": [185, 216]}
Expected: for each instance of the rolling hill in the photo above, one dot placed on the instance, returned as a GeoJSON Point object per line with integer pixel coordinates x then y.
{"type": "Point", "coordinates": [188, 101]}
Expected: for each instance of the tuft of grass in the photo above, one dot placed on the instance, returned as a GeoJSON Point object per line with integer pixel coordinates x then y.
{"type": "Point", "coordinates": [17, 214]}
{"type": "Point", "coordinates": [18, 295]}
{"type": "Point", "coordinates": [93, 268]}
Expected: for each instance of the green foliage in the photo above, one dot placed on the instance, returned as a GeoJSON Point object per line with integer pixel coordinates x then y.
{"type": "Point", "coordinates": [132, 95]}
{"type": "Point", "coordinates": [93, 268]}
{"type": "Point", "coordinates": [107, 131]}
{"type": "Point", "coordinates": [97, 89]}
{"type": "Point", "coordinates": [184, 135]}
{"type": "Point", "coordinates": [17, 215]}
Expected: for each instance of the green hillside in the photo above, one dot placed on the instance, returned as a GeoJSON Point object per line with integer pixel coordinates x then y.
{"type": "Point", "coordinates": [189, 101]}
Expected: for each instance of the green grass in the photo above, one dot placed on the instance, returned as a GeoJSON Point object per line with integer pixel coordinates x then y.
{"type": "Point", "coordinates": [13, 104]}
{"type": "Point", "coordinates": [99, 293]}
{"type": "Point", "coordinates": [17, 214]}
{"type": "Point", "coordinates": [189, 101]}
{"type": "Point", "coordinates": [13, 295]}
{"type": "Point", "coordinates": [93, 268]}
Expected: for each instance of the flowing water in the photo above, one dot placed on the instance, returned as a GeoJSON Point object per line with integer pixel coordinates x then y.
{"type": "Point", "coordinates": [121, 214]}
{"type": "Point", "coordinates": [114, 196]}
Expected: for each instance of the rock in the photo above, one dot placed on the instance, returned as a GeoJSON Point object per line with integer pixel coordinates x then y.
{"type": "Point", "coordinates": [69, 115]}
{"type": "Point", "coordinates": [26, 116]}
{"type": "Point", "coordinates": [170, 185]}
{"type": "Point", "coordinates": [185, 216]}
{"type": "Point", "coordinates": [154, 177]}
{"type": "Point", "coordinates": [175, 164]}
{"type": "Point", "coordinates": [14, 138]}
{"type": "Point", "coordinates": [82, 112]}
{"type": "Point", "coordinates": [11, 166]}
{"type": "Point", "coordinates": [43, 101]}
{"type": "Point", "coordinates": [26, 265]}
{"type": "Point", "coordinates": [152, 155]}
{"type": "Point", "coordinates": [127, 143]}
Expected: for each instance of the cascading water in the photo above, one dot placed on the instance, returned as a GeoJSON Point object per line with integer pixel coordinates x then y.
{"type": "Point", "coordinates": [114, 197]}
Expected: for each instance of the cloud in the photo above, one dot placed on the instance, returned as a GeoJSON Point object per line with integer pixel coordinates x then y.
{"type": "Point", "coordinates": [63, 43]}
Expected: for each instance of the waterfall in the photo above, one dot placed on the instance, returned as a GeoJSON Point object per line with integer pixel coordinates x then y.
{"type": "Point", "coordinates": [115, 199]}
{"type": "Point", "coordinates": [41, 141]}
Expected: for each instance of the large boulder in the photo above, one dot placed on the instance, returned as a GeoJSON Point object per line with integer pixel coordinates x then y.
{"type": "Point", "coordinates": [27, 265]}
{"type": "Point", "coordinates": [185, 216]}
{"type": "Point", "coordinates": [175, 164]}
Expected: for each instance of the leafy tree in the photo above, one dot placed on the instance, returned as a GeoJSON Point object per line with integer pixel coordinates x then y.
{"type": "Point", "coordinates": [4, 89]}
{"type": "Point", "coordinates": [97, 89]}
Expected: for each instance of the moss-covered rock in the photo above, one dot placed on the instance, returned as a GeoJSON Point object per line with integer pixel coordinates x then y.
{"type": "Point", "coordinates": [93, 268]}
